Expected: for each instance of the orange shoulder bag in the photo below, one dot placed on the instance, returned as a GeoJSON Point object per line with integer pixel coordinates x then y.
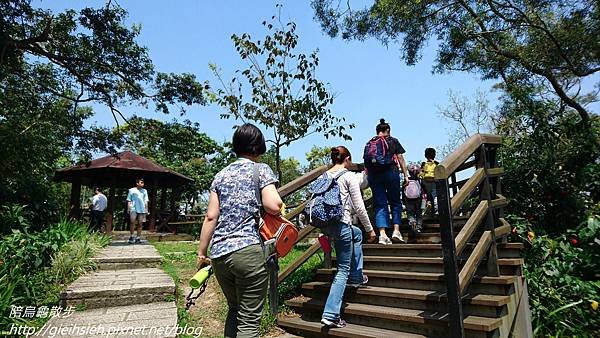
{"type": "Point", "coordinates": [277, 232]}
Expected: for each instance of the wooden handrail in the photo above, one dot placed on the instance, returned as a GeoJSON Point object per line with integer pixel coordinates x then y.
{"type": "Point", "coordinates": [453, 161]}
{"type": "Point", "coordinates": [296, 211]}
{"type": "Point", "coordinates": [468, 270]}
{"type": "Point", "coordinates": [466, 190]}
{"type": "Point", "coordinates": [469, 228]}
{"type": "Point", "coordinates": [475, 220]}
{"type": "Point", "coordinates": [301, 181]}
{"type": "Point", "coordinates": [466, 165]}
{"type": "Point", "coordinates": [479, 151]}
{"type": "Point", "coordinates": [504, 229]}
{"type": "Point", "coordinates": [499, 202]}
{"type": "Point", "coordinates": [298, 262]}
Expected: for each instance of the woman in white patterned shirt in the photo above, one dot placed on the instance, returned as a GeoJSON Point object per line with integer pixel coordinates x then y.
{"type": "Point", "coordinates": [236, 253]}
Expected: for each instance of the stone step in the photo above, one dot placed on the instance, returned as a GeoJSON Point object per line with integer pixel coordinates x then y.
{"type": "Point", "coordinates": [153, 236]}
{"type": "Point", "coordinates": [399, 319]}
{"type": "Point", "coordinates": [483, 305]}
{"type": "Point", "coordinates": [142, 320]}
{"type": "Point", "coordinates": [105, 288]}
{"type": "Point", "coordinates": [505, 250]}
{"type": "Point", "coordinates": [313, 328]}
{"type": "Point", "coordinates": [502, 285]}
{"type": "Point", "coordinates": [122, 255]}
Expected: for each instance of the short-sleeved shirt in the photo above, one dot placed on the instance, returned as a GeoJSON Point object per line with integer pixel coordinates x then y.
{"type": "Point", "coordinates": [99, 202]}
{"type": "Point", "coordinates": [236, 228]}
{"type": "Point", "coordinates": [139, 198]}
{"type": "Point", "coordinates": [394, 145]}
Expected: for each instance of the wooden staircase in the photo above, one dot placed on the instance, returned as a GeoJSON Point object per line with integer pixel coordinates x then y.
{"type": "Point", "coordinates": [407, 293]}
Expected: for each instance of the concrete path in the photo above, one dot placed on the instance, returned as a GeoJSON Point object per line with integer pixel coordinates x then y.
{"type": "Point", "coordinates": [140, 320]}
{"type": "Point", "coordinates": [129, 296]}
{"type": "Point", "coordinates": [121, 255]}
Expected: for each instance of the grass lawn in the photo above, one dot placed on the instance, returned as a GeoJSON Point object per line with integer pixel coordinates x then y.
{"type": "Point", "coordinates": [211, 308]}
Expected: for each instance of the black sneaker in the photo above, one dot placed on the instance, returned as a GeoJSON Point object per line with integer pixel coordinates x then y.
{"type": "Point", "coordinates": [138, 240]}
{"type": "Point", "coordinates": [339, 323]}
{"type": "Point", "coordinates": [131, 240]}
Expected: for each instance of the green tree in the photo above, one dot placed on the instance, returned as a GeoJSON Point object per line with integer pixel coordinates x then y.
{"type": "Point", "coordinates": [86, 56]}
{"type": "Point", "coordinates": [179, 146]}
{"type": "Point", "coordinates": [553, 44]}
{"type": "Point", "coordinates": [318, 156]}
{"type": "Point", "coordinates": [51, 65]}
{"type": "Point", "coordinates": [285, 95]}
{"type": "Point", "coordinates": [290, 167]}
{"type": "Point", "coordinates": [551, 164]}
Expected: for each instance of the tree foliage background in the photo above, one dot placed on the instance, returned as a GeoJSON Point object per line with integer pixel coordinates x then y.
{"type": "Point", "coordinates": [284, 93]}
{"type": "Point", "coordinates": [180, 146]}
{"type": "Point", "coordinates": [545, 57]}
{"type": "Point", "coordinates": [51, 65]}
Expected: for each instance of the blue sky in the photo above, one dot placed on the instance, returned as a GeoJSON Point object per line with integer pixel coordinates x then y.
{"type": "Point", "coordinates": [371, 81]}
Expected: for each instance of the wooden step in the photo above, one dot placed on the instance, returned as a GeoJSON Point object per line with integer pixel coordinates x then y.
{"type": "Point", "coordinates": [433, 226]}
{"type": "Point", "coordinates": [483, 305]}
{"type": "Point", "coordinates": [313, 328]}
{"type": "Point", "coordinates": [502, 285]}
{"type": "Point", "coordinates": [505, 250]}
{"type": "Point", "coordinates": [399, 319]}
{"type": "Point", "coordinates": [508, 266]}
{"type": "Point", "coordinates": [479, 299]}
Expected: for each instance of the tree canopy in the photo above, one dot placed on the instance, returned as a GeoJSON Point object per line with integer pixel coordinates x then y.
{"type": "Point", "coordinates": [53, 64]}
{"type": "Point", "coordinates": [318, 156]}
{"type": "Point", "coordinates": [286, 96]}
{"type": "Point", "coordinates": [179, 146]}
{"type": "Point", "coordinates": [553, 44]}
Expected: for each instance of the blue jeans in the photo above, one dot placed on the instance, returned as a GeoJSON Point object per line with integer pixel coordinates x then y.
{"type": "Point", "coordinates": [386, 189]}
{"type": "Point", "coordinates": [431, 193]}
{"type": "Point", "coordinates": [349, 258]}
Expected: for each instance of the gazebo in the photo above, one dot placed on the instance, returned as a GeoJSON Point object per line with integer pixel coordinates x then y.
{"type": "Point", "coordinates": [119, 171]}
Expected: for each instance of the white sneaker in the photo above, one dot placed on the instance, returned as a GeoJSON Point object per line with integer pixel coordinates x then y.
{"type": "Point", "coordinates": [397, 237]}
{"type": "Point", "coordinates": [384, 240]}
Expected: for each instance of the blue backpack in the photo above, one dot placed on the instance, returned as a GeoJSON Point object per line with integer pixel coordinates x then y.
{"type": "Point", "coordinates": [377, 152]}
{"type": "Point", "coordinates": [325, 205]}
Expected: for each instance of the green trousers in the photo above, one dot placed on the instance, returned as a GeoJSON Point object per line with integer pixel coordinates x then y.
{"type": "Point", "coordinates": [243, 278]}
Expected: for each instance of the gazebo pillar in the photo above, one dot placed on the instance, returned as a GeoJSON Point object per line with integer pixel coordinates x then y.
{"type": "Point", "coordinates": [74, 205]}
{"type": "Point", "coordinates": [110, 207]}
{"type": "Point", "coordinates": [174, 193]}
{"type": "Point", "coordinates": [153, 193]}
{"type": "Point", "coordinates": [163, 199]}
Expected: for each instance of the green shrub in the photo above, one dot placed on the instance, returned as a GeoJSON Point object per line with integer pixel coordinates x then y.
{"type": "Point", "coordinates": [35, 266]}
{"type": "Point", "coordinates": [562, 277]}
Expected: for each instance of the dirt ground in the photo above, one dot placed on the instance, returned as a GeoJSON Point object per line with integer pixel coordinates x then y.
{"type": "Point", "coordinates": [210, 311]}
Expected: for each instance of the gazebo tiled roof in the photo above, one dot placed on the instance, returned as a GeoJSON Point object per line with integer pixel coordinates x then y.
{"type": "Point", "coordinates": [123, 168]}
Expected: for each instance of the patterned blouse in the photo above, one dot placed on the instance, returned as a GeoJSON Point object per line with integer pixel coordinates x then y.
{"type": "Point", "coordinates": [237, 201]}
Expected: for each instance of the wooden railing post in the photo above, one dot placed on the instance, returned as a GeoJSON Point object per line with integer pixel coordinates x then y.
{"type": "Point", "coordinates": [450, 264]}
{"type": "Point", "coordinates": [487, 193]}
{"type": "Point", "coordinates": [454, 186]}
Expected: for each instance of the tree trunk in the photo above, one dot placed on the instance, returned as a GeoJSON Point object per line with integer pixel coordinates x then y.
{"type": "Point", "coordinates": [278, 163]}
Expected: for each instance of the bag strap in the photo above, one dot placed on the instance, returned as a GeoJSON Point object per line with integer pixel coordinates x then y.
{"type": "Point", "coordinates": [272, 264]}
{"type": "Point", "coordinates": [256, 183]}
{"type": "Point", "coordinates": [340, 173]}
